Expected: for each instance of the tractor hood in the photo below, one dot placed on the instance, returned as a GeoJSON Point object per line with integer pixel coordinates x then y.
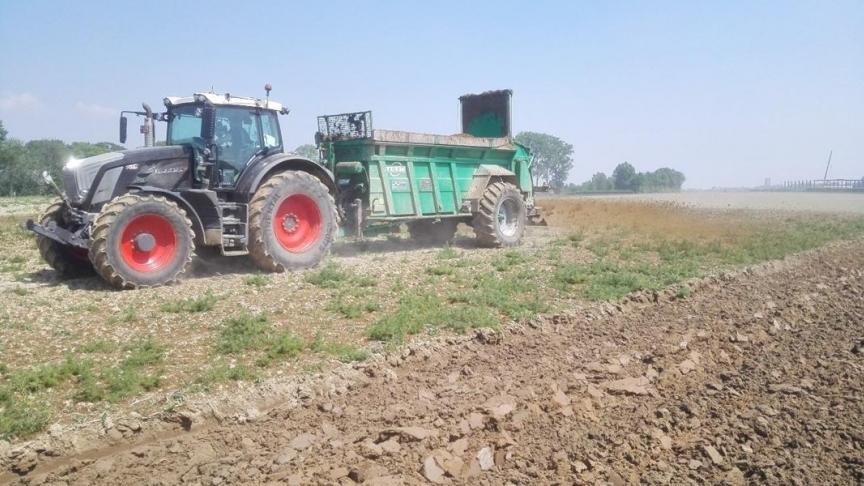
{"type": "Point", "coordinates": [80, 174]}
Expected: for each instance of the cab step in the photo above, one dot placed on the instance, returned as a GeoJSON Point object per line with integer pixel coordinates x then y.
{"type": "Point", "coordinates": [235, 229]}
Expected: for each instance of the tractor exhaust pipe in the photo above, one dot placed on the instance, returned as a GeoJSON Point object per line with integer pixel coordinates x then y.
{"type": "Point", "coordinates": [149, 127]}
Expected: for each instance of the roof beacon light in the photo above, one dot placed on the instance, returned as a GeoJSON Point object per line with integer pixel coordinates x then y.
{"type": "Point", "coordinates": [267, 88]}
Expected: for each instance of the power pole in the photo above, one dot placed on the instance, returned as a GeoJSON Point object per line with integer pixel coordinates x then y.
{"type": "Point", "coordinates": [830, 152]}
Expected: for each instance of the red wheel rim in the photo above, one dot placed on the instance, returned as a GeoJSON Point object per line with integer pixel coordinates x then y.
{"type": "Point", "coordinates": [148, 243]}
{"type": "Point", "coordinates": [297, 222]}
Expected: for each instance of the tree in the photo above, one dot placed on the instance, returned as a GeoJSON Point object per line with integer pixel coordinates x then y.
{"type": "Point", "coordinates": [624, 177]}
{"type": "Point", "coordinates": [21, 165]}
{"type": "Point", "coordinates": [552, 158]}
{"type": "Point", "coordinates": [307, 150]}
{"type": "Point", "coordinates": [600, 182]}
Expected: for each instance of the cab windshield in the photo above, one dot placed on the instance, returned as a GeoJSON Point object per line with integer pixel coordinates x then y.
{"type": "Point", "coordinates": [184, 124]}
{"type": "Point", "coordinates": [241, 133]}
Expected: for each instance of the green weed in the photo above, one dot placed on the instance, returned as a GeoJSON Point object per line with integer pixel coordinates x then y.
{"type": "Point", "coordinates": [414, 313]}
{"type": "Point", "coordinates": [203, 303]}
{"type": "Point", "coordinates": [330, 275]}
{"type": "Point", "coordinates": [257, 280]}
{"type": "Point", "coordinates": [100, 346]}
{"type": "Point", "coordinates": [242, 332]}
{"type": "Point", "coordinates": [508, 260]}
{"type": "Point", "coordinates": [440, 270]}
{"type": "Point", "coordinates": [447, 253]}
{"type": "Point", "coordinates": [222, 373]}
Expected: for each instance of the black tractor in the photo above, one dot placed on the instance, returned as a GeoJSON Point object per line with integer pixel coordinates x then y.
{"type": "Point", "coordinates": [222, 180]}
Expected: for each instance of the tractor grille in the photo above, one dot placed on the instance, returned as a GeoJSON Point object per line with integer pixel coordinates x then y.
{"type": "Point", "coordinates": [78, 175]}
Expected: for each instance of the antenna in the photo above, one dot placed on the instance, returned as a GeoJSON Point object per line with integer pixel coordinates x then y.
{"type": "Point", "coordinates": [830, 153]}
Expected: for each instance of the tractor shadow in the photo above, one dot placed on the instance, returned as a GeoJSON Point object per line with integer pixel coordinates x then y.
{"type": "Point", "coordinates": [353, 247]}
{"type": "Point", "coordinates": [50, 278]}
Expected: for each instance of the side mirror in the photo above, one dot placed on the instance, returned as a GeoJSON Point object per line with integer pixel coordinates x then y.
{"type": "Point", "coordinates": [208, 123]}
{"type": "Point", "coordinates": [123, 123]}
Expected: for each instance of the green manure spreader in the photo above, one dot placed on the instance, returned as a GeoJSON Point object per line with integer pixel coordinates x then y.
{"type": "Point", "coordinates": [480, 177]}
{"type": "Point", "coordinates": [222, 180]}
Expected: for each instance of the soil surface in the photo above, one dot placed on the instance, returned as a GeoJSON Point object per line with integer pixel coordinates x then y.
{"type": "Point", "coordinates": [756, 377]}
{"type": "Point", "coordinates": [815, 202]}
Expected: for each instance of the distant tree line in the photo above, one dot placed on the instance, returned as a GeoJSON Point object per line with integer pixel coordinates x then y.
{"type": "Point", "coordinates": [22, 164]}
{"type": "Point", "coordinates": [626, 179]}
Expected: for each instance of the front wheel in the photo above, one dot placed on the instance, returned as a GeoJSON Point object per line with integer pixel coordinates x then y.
{"type": "Point", "coordinates": [68, 261]}
{"type": "Point", "coordinates": [501, 218]}
{"type": "Point", "coordinates": [141, 240]}
{"type": "Point", "coordinates": [292, 222]}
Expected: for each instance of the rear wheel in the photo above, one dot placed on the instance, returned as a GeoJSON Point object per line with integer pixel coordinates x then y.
{"type": "Point", "coordinates": [141, 241]}
{"type": "Point", "coordinates": [502, 216]}
{"type": "Point", "coordinates": [292, 222]}
{"type": "Point", "coordinates": [433, 232]}
{"type": "Point", "coordinates": [67, 260]}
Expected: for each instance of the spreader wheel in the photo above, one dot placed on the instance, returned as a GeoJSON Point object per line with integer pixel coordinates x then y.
{"type": "Point", "coordinates": [141, 241]}
{"type": "Point", "coordinates": [502, 216]}
{"type": "Point", "coordinates": [292, 222]}
{"type": "Point", "coordinates": [68, 261]}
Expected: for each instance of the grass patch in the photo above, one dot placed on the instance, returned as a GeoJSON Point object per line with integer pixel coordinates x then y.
{"type": "Point", "coordinates": [242, 332]}
{"type": "Point", "coordinates": [257, 280]}
{"type": "Point", "coordinates": [599, 247]}
{"type": "Point", "coordinates": [20, 418]}
{"type": "Point", "coordinates": [22, 412]}
{"type": "Point", "coordinates": [333, 276]}
{"type": "Point", "coordinates": [283, 345]}
{"type": "Point", "coordinates": [329, 276]}
{"type": "Point", "coordinates": [414, 313]}
{"type": "Point", "coordinates": [440, 270]}
{"type": "Point", "coordinates": [350, 307]}
{"type": "Point", "coordinates": [508, 260]}
{"type": "Point", "coordinates": [203, 303]}
{"type": "Point", "coordinates": [575, 239]}
{"type": "Point", "coordinates": [447, 253]}
{"type": "Point", "coordinates": [514, 295]}
{"type": "Point", "coordinates": [223, 373]}
{"type": "Point", "coordinates": [101, 346]}
{"type": "Point", "coordinates": [129, 314]}
{"type": "Point", "coordinates": [346, 353]}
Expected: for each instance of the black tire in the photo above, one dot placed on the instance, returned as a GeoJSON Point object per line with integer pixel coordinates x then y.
{"type": "Point", "coordinates": [119, 259]}
{"type": "Point", "coordinates": [490, 230]}
{"type": "Point", "coordinates": [68, 261]}
{"type": "Point", "coordinates": [282, 196]}
{"type": "Point", "coordinates": [430, 232]}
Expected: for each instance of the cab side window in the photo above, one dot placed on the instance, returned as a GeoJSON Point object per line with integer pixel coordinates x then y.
{"type": "Point", "coordinates": [270, 127]}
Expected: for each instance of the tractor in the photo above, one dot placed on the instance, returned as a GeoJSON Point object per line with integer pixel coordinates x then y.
{"type": "Point", "coordinates": [223, 180]}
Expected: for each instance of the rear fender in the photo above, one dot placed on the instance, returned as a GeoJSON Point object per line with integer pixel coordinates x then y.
{"type": "Point", "coordinates": [485, 175]}
{"type": "Point", "coordinates": [255, 175]}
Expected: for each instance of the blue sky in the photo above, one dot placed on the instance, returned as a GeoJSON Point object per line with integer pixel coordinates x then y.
{"type": "Point", "coordinates": [728, 92]}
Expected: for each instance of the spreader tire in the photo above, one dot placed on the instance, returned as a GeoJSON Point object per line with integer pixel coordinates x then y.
{"type": "Point", "coordinates": [141, 240]}
{"type": "Point", "coordinates": [501, 218]}
{"type": "Point", "coordinates": [68, 261]}
{"type": "Point", "coordinates": [292, 222]}
{"type": "Point", "coordinates": [430, 232]}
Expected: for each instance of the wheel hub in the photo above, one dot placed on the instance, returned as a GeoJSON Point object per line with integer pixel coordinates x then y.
{"type": "Point", "coordinates": [144, 242]}
{"type": "Point", "coordinates": [289, 222]}
{"type": "Point", "coordinates": [297, 223]}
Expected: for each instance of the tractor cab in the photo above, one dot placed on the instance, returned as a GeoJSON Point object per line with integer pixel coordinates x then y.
{"type": "Point", "coordinates": [235, 129]}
